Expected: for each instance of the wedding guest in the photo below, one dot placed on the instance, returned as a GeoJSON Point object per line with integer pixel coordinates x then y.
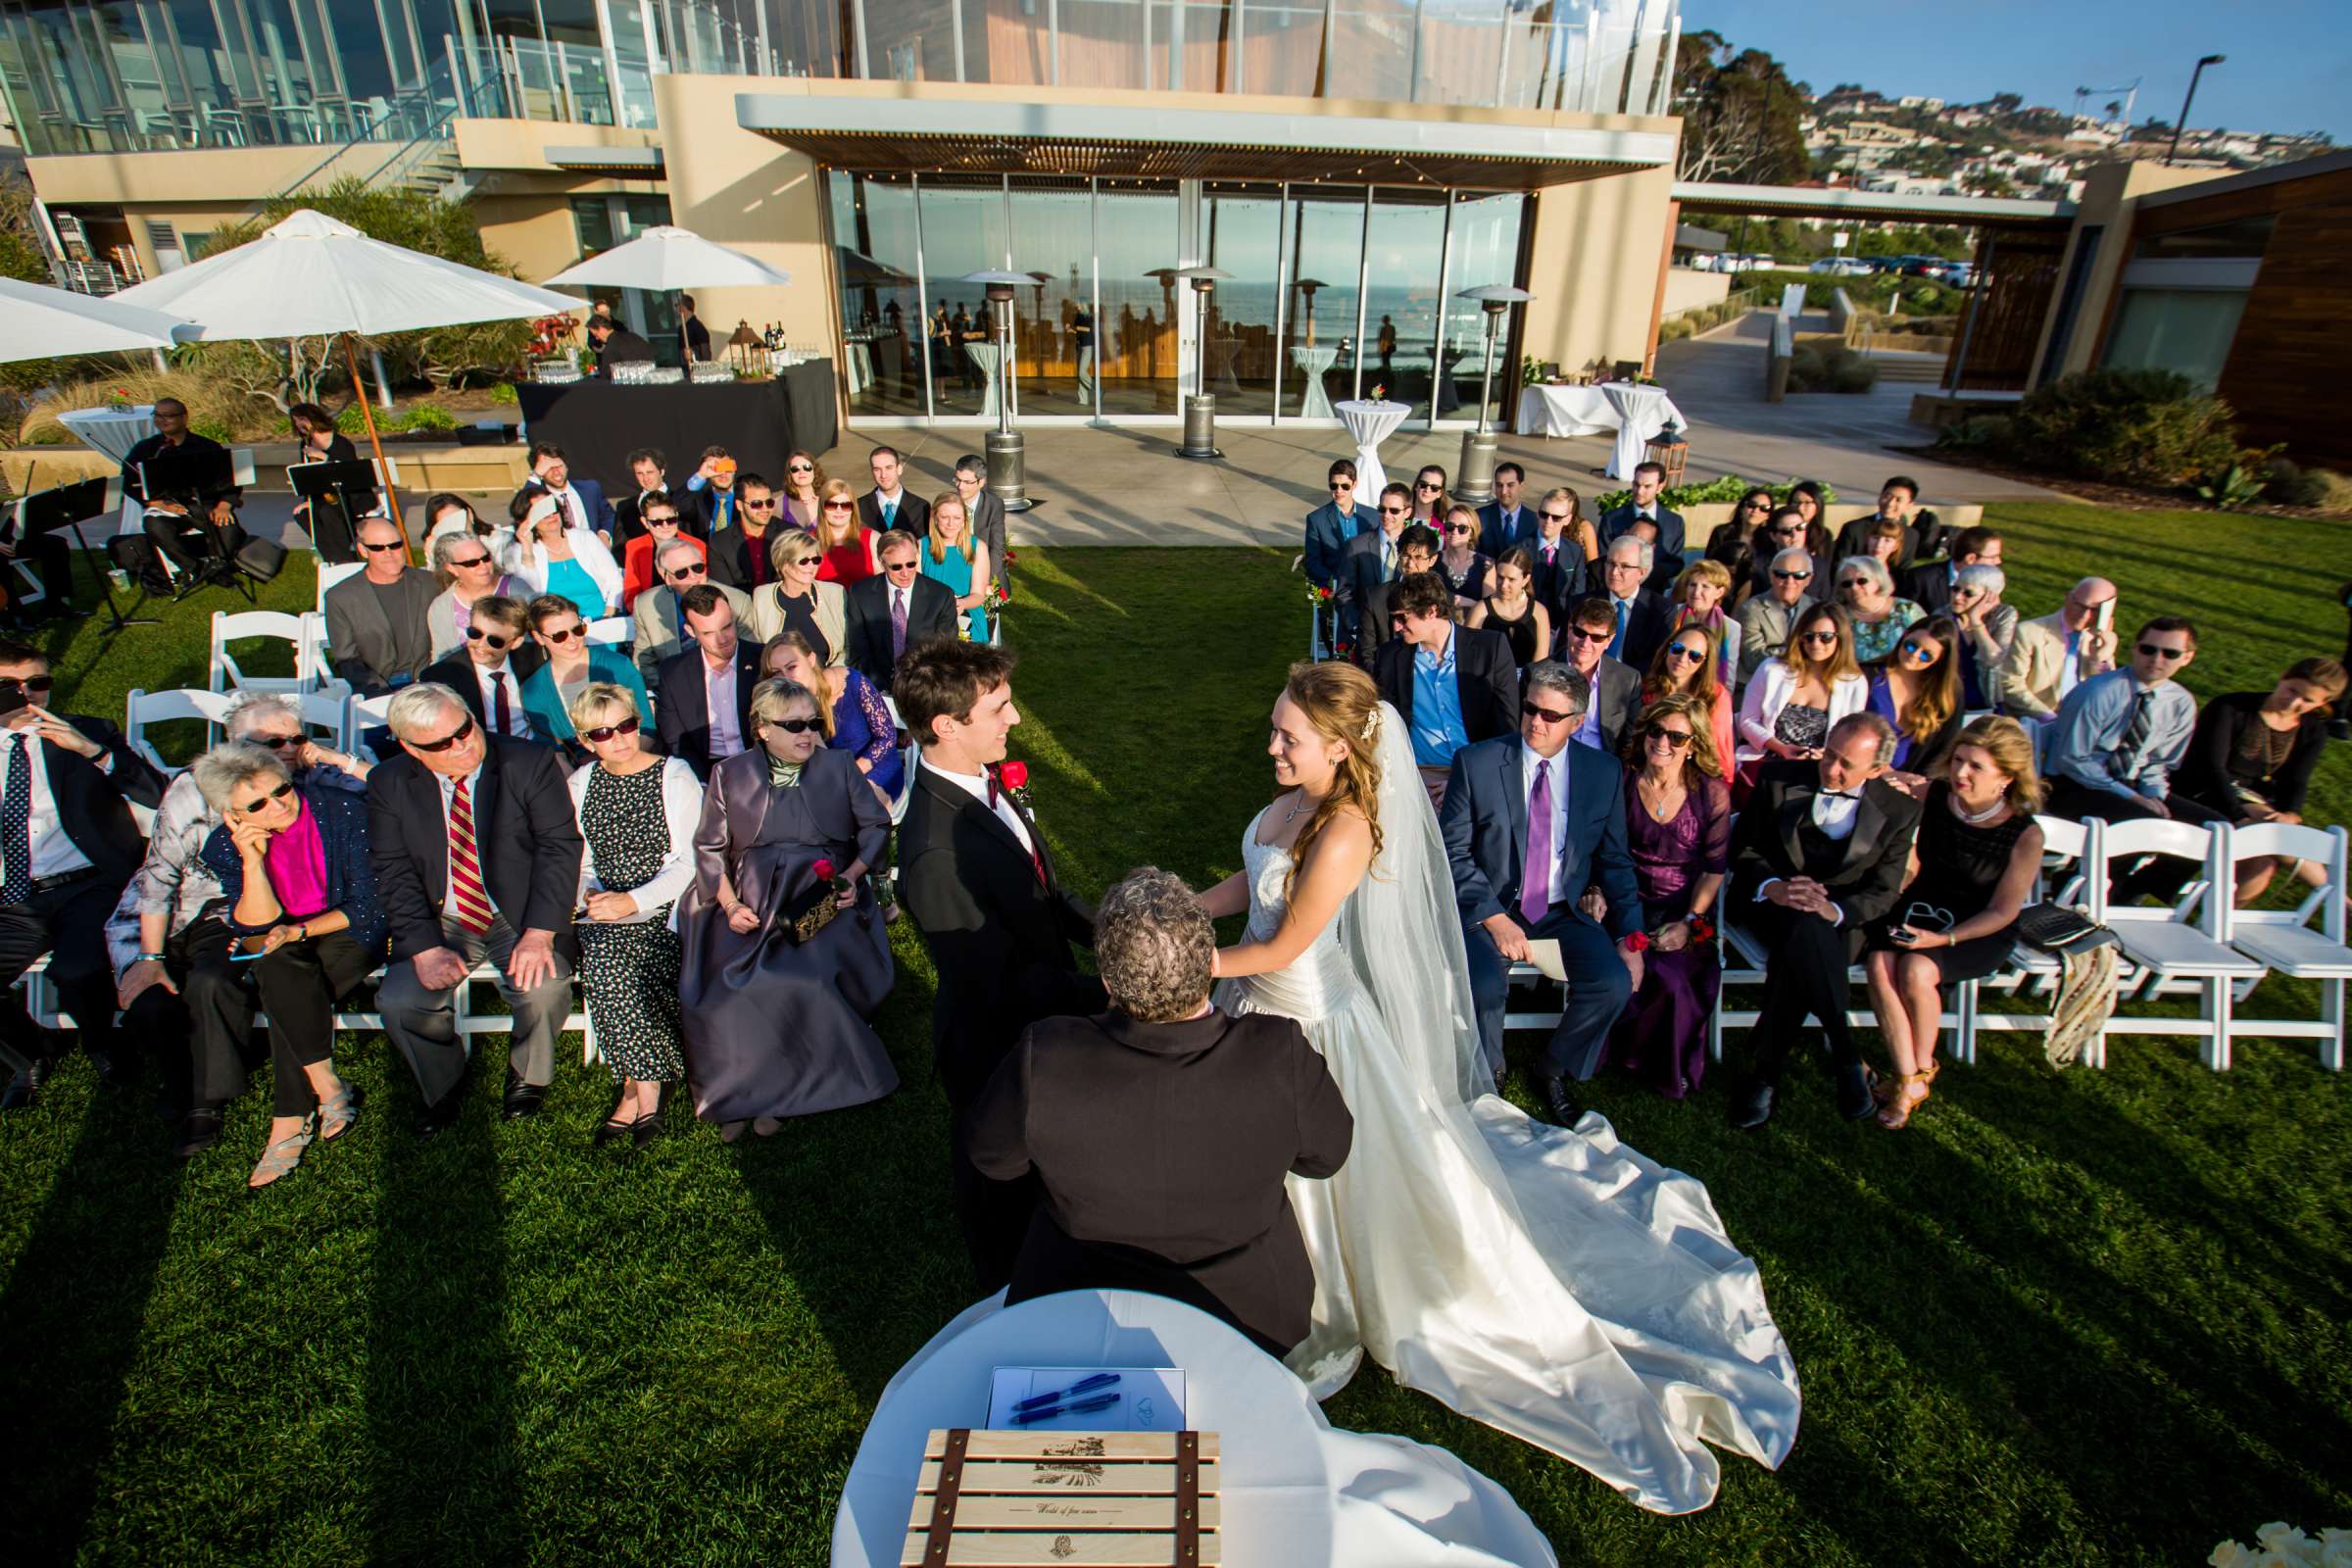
{"type": "Point", "coordinates": [978, 879]}
{"type": "Point", "coordinates": [1643, 505]}
{"type": "Point", "coordinates": [694, 338]}
{"type": "Point", "coordinates": [1615, 687]}
{"type": "Point", "coordinates": [1919, 537]}
{"type": "Point", "coordinates": [476, 856]}
{"type": "Point", "coordinates": [68, 845]}
{"type": "Point", "coordinates": [637, 814]}
{"type": "Point", "coordinates": [801, 601]}
{"type": "Point", "coordinates": [293, 867]}
{"type": "Point", "coordinates": [1687, 665]}
{"type": "Point", "coordinates": [1162, 1131]}
{"type": "Point", "coordinates": [704, 708]}
{"type": "Point", "coordinates": [1502, 522]}
{"type": "Point", "coordinates": [483, 672]}
{"type": "Point", "coordinates": [169, 940]}
{"type": "Point", "coordinates": [898, 609]}
{"type": "Point", "coordinates": [1417, 549]}
{"type": "Point", "coordinates": [648, 473]}
{"type": "Point", "coordinates": [1530, 821]}
{"type": "Point", "coordinates": [1976, 856]}
{"type": "Point", "coordinates": [744, 555]}
{"type": "Point", "coordinates": [984, 510]}
{"type": "Point", "coordinates": [1745, 526]}
{"type": "Point", "coordinates": [852, 551]}
{"type": "Point", "coordinates": [2053, 654]}
{"type": "Point", "coordinates": [888, 505]}
{"type": "Point", "coordinates": [2251, 756]}
{"type": "Point", "coordinates": [1678, 817]}
{"type": "Point", "coordinates": [660, 613]}
{"type": "Point", "coordinates": [1452, 684]}
{"type": "Point", "coordinates": [580, 502]}
{"type": "Point", "coordinates": [1988, 629]}
{"type": "Point", "coordinates": [1429, 498]}
{"type": "Point", "coordinates": [616, 344]}
{"type": "Point", "coordinates": [553, 558]}
{"type": "Point", "coordinates": [1795, 699]}
{"type": "Point", "coordinates": [1768, 619]}
{"type": "Point", "coordinates": [1458, 562]}
{"type": "Point", "coordinates": [1915, 690]}
{"type": "Point", "coordinates": [449, 513]}
{"type": "Point", "coordinates": [658, 524]}
{"type": "Point", "coordinates": [960, 564]}
{"type": "Point", "coordinates": [1702, 594]}
{"type": "Point", "coordinates": [775, 1014]}
{"type": "Point", "coordinates": [1332, 525]}
{"type": "Point", "coordinates": [803, 487]}
{"type": "Point", "coordinates": [327, 523]}
{"type": "Point", "coordinates": [851, 715]}
{"type": "Point", "coordinates": [1787, 529]}
{"type": "Point", "coordinates": [1804, 497]}
{"type": "Point", "coordinates": [712, 484]}
{"type": "Point", "coordinates": [469, 567]}
{"type": "Point", "coordinates": [2117, 742]}
{"type": "Point", "coordinates": [573, 665]}
{"type": "Point", "coordinates": [1877, 616]}
{"type": "Point", "coordinates": [1369, 565]}
{"type": "Point", "coordinates": [1932, 584]}
{"type": "Point", "coordinates": [379, 633]}
{"type": "Point", "coordinates": [1513, 608]}
{"type": "Point", "coordinates": [1880, 538]}
{"type": "Point", "coordinates": [1564, 546]}
{"type": "Point", "coordinates": [1637, 612]}
{"type": "Point", "coordinates": [1819, 852]}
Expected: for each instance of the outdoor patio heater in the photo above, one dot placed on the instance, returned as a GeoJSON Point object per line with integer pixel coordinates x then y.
{"type": "Point", "coordinates": [1200, 413]}
{"type": "Point", "coordinates": [1475, 478]}
{"type": "Point", "coordinates": [1008, 449]}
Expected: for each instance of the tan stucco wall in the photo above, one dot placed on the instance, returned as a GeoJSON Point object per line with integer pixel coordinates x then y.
{"type": "Point", "coordinates": [523, 143]}
{"type": "Point", "coordinates": [220, 176]}
{"type": "Point", "coordinates": [1688, 289]}
{"type": "Point", "coordinates": [1594, 268]}
{"type": "Point", "coordinates": [2111, 195]}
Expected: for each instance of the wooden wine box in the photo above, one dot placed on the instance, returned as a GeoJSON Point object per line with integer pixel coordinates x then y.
{"type": "Point", "coordinates": [1066, 1499]}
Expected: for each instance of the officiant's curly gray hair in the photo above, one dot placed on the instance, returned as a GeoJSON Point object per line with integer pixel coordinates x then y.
{"type": "Point", "coordinates": [1155, 946]}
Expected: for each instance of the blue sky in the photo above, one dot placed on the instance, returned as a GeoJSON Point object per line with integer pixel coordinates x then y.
{"type": "Point", "coordinates": [2289, 66]}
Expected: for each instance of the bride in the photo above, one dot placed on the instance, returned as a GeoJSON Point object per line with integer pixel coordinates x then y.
{"type": "Point", "coordinates": [1549, 1281]}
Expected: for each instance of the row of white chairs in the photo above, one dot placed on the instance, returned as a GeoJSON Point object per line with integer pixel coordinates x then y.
{"type": "Point", "coordinates": [2200, 947]}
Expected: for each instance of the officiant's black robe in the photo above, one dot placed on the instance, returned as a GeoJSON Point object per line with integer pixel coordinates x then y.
{"type": "Point", "coordinates": [1162, 1149]}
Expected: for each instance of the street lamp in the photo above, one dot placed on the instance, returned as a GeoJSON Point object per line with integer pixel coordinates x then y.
{"type": "Point", "coordinates": [1201, 415]}
{"type": "Point", "coordinates": [1476, 476]}
{"type": "Point", "coordinates": [1007, 454]}
{"type": "Point", "coordinates": [2183, 122]}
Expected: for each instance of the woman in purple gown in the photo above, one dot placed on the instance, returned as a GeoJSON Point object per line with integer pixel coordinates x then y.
{"type": "Point", "coordinates": [1679, 827]}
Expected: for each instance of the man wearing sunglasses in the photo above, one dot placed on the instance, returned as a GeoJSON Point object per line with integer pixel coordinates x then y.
{"type": "Point", "coordinates": [1767, 620]}
{"type": "Point", "coordinates": [660, 612]}
{"type": "Point", "coordinates": [1452, 684]}
{"type": "Point", "coordinates": [2117, 742]}
{"type": "Point", "coordinates": [741, 556]}
{"type": "Point", "coordinates": [1332, 525]}
{"type": "Point", "coordinates": [67, 845]}
{"type": "Point", "coordinates": [476, 854]}
{"type": "Point", "coordinates": [1615, 687]}
{"type": "Point", "coordinates": [1529, 822]}
{"type": "Point", "coordinates": [380, 629]}
{"type": "Point", "coordinates": [1643, 505]}
{"type": "Point", "coordinates": [2053, 654]}
{"type": "Point", "coordinates": [484, 671]}
{"type": "Point", "coordinates": [894, 609]}
{"type": "Point", "coordinates": [1369, 565]}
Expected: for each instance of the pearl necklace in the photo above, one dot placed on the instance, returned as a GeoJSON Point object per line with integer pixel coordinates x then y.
{"type": "Point", "coordinates": [1978, 818]}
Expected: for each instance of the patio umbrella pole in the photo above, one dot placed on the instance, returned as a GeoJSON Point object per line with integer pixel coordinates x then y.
{"type": "Point", "coordinates": [391, 490]}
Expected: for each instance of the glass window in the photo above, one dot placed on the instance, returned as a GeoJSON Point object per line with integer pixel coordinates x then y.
{"type": "Point", "coordinates": [1136, 221]}
{"type": "Point", "coordinates": [1053, 243]}
{"type": "Point", "coordinates": [2188, 330]}
{"type": "Point", "coordinates": [356, 44]}
{"type": "Point", "coordinates": [1485, 249]}
{"type": "Point", "coordinates": [1461, 53]}
{"type": "Point", "coordinates": [1405, 254]}
{"type": "Point", "coordinates": [914, 40]}
{"type": "Point", "coordinates": [1281, 51]}
{"type": "Point", "coordinates": [2247, 237]}
{"type": "Point", "coordinates": [1239, 231]}
{"type": "Point", "coordinates": [875, 252]}
{"type": "Point", "coordinates": [963, 232]}
{"type": "Point", "coordinates": [1103, 44]}
{"type": "Point", "coordinates": [1372, 54]}
{"type": "Point", "coordinates": [1326, 225]}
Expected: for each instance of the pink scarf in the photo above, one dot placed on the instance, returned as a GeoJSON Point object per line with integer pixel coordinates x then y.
{"type": "Point", "coordinates": [296, 861]}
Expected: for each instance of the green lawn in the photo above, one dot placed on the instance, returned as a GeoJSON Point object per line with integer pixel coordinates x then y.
{"type": "Point", "coordinates": [2065, 1319]}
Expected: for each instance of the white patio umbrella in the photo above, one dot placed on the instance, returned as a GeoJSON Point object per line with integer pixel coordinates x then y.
{"type": "Point", "coordinates": [39, 323]}
{"type": "Point", "coordinates": [666, 258]}
{"type": "Point", "coordinates": [311, 276]}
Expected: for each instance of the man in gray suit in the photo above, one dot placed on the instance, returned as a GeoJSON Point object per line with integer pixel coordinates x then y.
{"type": "Point", "coordinates": [982, 509]}
{"type": "Point", "coordinates": [379, 626]}
{"type": "Point", "coordinates": [1616, 689]}
{"type": "Point", "coordinates": [679, 566]}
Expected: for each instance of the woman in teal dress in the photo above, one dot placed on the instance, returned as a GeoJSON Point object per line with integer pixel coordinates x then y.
{"type": "Point", "coordinates": [550, 691]}
{"type": "Point", "coordinates": [959, 563]}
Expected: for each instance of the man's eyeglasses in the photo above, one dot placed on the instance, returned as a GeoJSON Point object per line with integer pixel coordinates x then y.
{"type": "Point", "coordinates": [1676, 739]}
{"type": "Point", "coordinates": [1556, 517]}
{"type": "Point", "coordinates": [698, 569]}
{"type": "Point", "coordinates": [1392, 511]}
{"type": "Point", "coordinates": [255, 807]}
{"type": "Point", "coordinates": [1682, 650]}
{"type": "Point", "coordinates": [2159, 651]}
{"type": "Point", "coordinates": [1586, 635]}
{"type": "Point", "coordinates": [1777, 575]}
{"type": "Point", "coordinates": [377, 549]}
{"type": "Point", "coordinates": [475, 634]}
{"type": "Point", "coordinates": [1343, 484]}
{"type": "Point", "coordinates": [605, 732]}
{"type": "Point", "coordinates": [764, 504]}
{"type": "Point", "coordinates": [894, 568]}
{"type": "Point", "coordinates": [31, 685]}
{"type": "Point", "coordinates": [1548, 715]}
{"type": "Point", "coordinates": [456, 737]}
{"type": "Point", "coordinates": [565, 634]}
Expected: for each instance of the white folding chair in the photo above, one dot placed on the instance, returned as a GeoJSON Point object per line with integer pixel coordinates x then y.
{"type": "Point", "coordinates": [329, 574]}
{"type": "Point", "coordinates": [2065, 848]}
{"type": "Point", "coordinates": [330, 711]}
{"type": "Point", "coordinates": [144, 708]}
{"type": "Point", "coordinates": [2167, 950]}
{"type": "Point", "coordinates": [364, 714]}
{"type": "Point", "coordinates": [313, 661]}
{"type": "Point", "coordinates": [611, 631]}
{"type": "Point", "coordinates": [2286, 942]}
{"type": "Point", "coordinates": [223, 673]}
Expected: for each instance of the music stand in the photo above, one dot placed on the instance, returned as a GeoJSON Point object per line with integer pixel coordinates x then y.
{"type": "Point", "coordinates": [335, 481]}
{"type": "Point", "coordinates": [64, 506]}
{"type": "Point", "coordinates": [198, 477]}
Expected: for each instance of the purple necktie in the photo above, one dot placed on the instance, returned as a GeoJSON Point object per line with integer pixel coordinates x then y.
{"type": "Point", "coordinates": [898, 623]}
{"type": "Point", "coordinates": [1535, 884]}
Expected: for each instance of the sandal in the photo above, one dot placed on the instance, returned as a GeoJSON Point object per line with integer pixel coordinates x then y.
{"type": "Point", "coordinates": [609, 1128]}
{"type": "Point", "coordinates": [282, 1156]}
{"type": "Point", "coordinates": [766, 1126]}
{"type": "Point", "coordinates": [338, 1110]}
{"type": "Point", "coordinates": [1910, 1093]}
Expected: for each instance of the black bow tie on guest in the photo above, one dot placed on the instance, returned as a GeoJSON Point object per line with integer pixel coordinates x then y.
{"type": "Point", "coordinates": [1838, 795]}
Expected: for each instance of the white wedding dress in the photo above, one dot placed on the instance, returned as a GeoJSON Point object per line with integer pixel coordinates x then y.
{"type": "Point", "coordinates": [1546, 1281]}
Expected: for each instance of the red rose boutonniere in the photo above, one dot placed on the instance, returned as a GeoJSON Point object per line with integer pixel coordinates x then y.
{"type": "Point", "coordinates": [1013, 780]}
{"type": "Point", "coordinates": [1638, 942]}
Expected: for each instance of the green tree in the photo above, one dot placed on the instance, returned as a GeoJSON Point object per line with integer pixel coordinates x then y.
{"type": "Point", "coordinates": [1740, 114]}
{"type": "Point", "coordinates": [20, 251]}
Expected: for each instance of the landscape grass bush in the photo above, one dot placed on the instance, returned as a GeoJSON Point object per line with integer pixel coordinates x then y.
{"type": "Point", "coordinates": [217, 408]}
{"type": "Point", "coordinates": [2141, 428]}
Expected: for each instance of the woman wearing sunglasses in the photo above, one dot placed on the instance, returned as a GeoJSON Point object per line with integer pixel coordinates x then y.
{"type": "Point", "coordinates": [467, 565]}
{"type": "Point", "coordinates": [552, 691]}
{"type": "Point", "coordinates": [1866, 588]}
{"type": "Point", "coordinates": [775, 1003]}
{"type": "Point", "coordinates": [1459, 563]}
{"type": "Point", "coordinates": [1686, 664]}
{"type": "Point", "coordinates": [849, 546]}
{"type": "Point", "coordinates": [801, 600]}
{"type": "Point", "coordinates": [803, 488]}
{"type": "Point", "coordinates": [1703, 592]}
{"type": "Point", "coordinates": [658, 524]}
{"type": "Point", "coordinates": [1793, 701]}
{"type": "Point", "coordinates": [1677, 816]}
{"type": "Point", "coordinates": [1429, 498]}
{"type": "Point", "coordinates": [293, 869]}
{"type": "Point", "coordinates": [852, 717]}
{"type": "Point", "coordinates": [1916, 689]}
{"type": "Point", "coordinates": [1745, 529]}
{"type": "Point", "coordinates": [553, 558]}
{"type": "Point", "coordinates": [637, 814]}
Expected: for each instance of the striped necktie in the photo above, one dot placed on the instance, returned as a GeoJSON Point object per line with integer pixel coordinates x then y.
{"type": "Point", "coordinates": [464, 865]}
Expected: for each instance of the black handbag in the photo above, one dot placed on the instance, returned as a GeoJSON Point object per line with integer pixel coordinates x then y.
{"type": "Point", "coordinates": [2061, 928]}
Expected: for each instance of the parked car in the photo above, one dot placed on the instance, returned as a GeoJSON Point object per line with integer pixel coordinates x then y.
{"type": "Point", "coordinates": [1839, 267]}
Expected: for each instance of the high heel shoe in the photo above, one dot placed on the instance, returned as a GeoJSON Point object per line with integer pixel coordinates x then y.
{"type": "Point", "coordinates": [1910, 1093]}
{"type": "Point", "coordinates": [282, 1157]}
{"type": "Point", "coordinates": [646, 1128]}
{"type": "Point", "coordinates": [338, 1110]}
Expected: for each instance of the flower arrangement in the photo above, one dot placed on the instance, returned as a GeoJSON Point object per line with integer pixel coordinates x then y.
{"type": "Point", "coordinates": [1318, 596]}
{"type": "Point", "coordinates": [551, 335]}
{"type": "Point", "coordinates": [118, 398]}
{"type": "Point", "coordinates": [2282, 1546]}
{"type": "Point", "coordinates": [1380, 393]}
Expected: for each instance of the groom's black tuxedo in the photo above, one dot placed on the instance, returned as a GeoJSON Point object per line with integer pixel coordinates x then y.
{"type": "Point", "coordinates": [1004, 942]}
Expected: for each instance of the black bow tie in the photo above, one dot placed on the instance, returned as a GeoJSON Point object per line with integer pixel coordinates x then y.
{"type": "Point", "coordinates": [1838, 795]}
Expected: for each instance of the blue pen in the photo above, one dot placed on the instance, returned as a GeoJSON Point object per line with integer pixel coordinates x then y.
{"type": "Point", "coordinates": [1023, 1418]}
{"type": "Point", "coordinates": [1101, 1380]}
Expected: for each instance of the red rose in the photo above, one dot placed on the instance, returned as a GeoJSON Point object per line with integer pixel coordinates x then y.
{"type": "Point", "coordinates": [1013, 776]}
{"type": "Point", "coordinates": [1638, 942]}
{"type": "Point", "coordinates": [823, 870]}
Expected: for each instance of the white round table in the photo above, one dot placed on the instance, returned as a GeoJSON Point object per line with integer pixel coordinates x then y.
{"type": "Point", "coordinates": [1642, 412]}
{"type": "Point", "coordinates": [1564, 410]}
{"type": "Point", "coordinates": [113, 431]}
{"type": "Point", "coordinates": [1313, 362]}
{"type": "Point", "coordinates": [1296, 1493]}
{"type": "Point", "coordinates": [1371, 423]}
{"type": "Point", "coordinates": [984, 355]}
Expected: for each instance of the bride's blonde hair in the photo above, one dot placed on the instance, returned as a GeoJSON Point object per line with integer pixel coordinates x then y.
{"type": "Point", "coordinates": [1344, 706]}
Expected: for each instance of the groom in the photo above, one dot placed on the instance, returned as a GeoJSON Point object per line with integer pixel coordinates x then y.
{"type": "Point", "coordinates": [974, 873]}
{"type": "Point", "coordinates": [1530, 821]}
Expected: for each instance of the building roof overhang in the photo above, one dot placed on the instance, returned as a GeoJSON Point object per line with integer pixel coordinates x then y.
{"type": "Point", "coordinates": [1877, 205]}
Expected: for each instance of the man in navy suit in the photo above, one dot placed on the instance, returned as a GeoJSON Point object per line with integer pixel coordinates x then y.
{"type": "Point", "coordinates": [1646, 506]}
{"type": "Point", "coordinates": [1502, 522]}
{"type": "Point", "coordinates": [1638, 615]}
{"type": "Point", "coordinates": [1368, 567]}
{"type": "Point", "coordinates": [1329, 528]}
{"type": "Point", "coordinates": [582, 500]}
{"type": "Point", "coordinates": [1529, 822]}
